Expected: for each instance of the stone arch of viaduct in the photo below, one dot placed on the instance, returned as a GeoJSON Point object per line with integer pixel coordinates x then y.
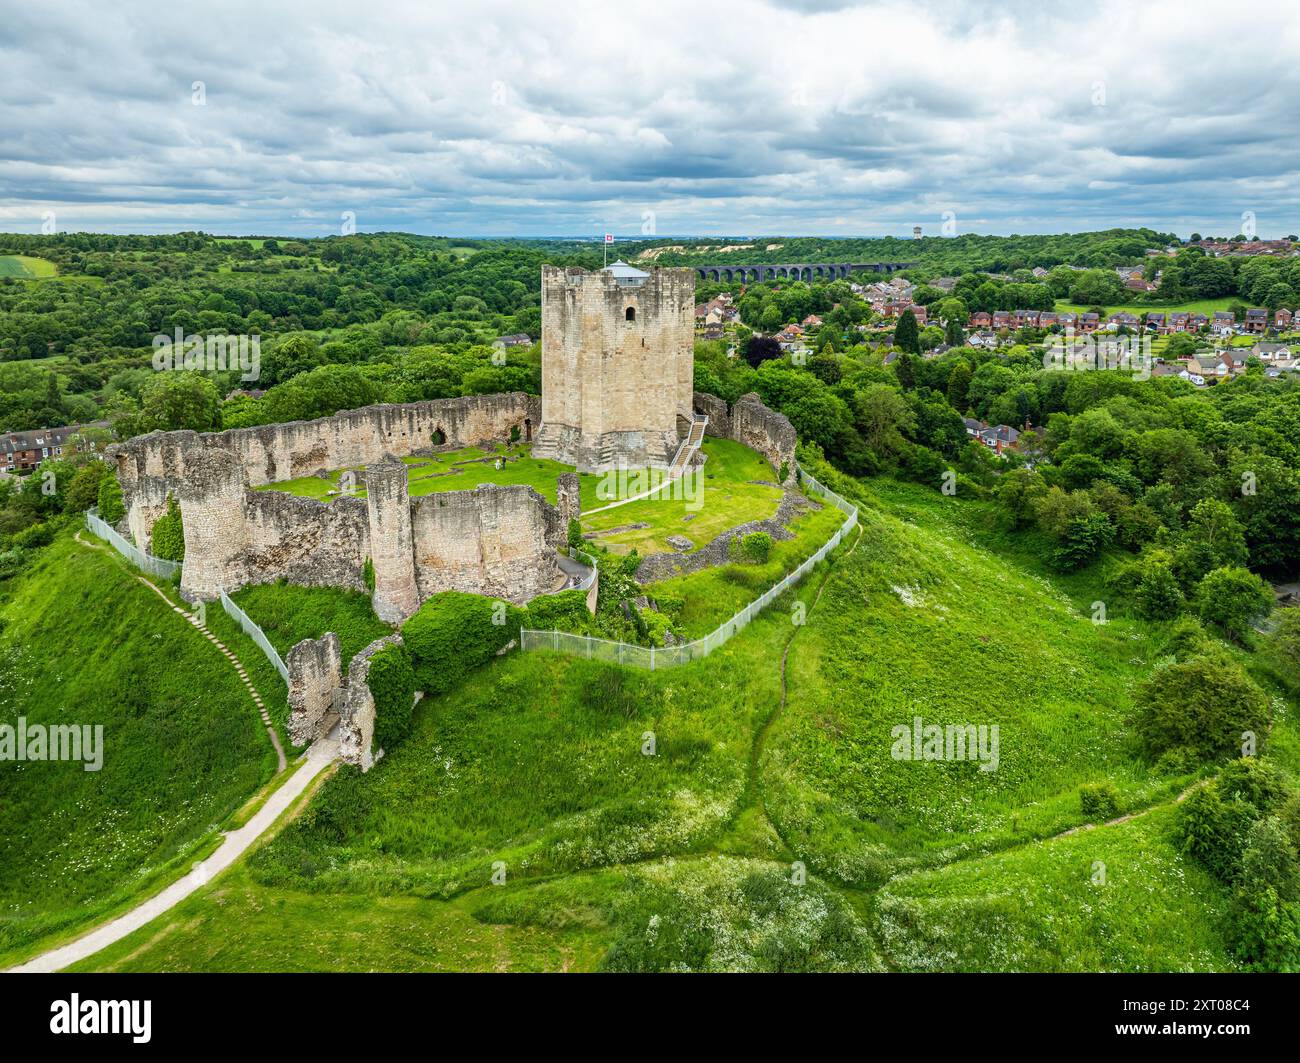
{"type": "Point", "coordinates": [805, 271]}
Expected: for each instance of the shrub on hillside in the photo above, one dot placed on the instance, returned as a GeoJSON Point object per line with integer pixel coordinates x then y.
{"type": "Point", "coordinates": [33, 538]}
{"type": "Point", "coordinates": [1233, 598]}
{"type": "Point", "coordinates": [1098, 802]}
{"type": "Point", "coordinates": [1082, 541]}
{"type": "Point", "coordinates": [392, 682]}
{"type": "Point", "coordinates": [754, 548]}
{"type": "Point", "coordinates": [575, 539]}
{"type": "Point", "coordinates": [566, 611]}
{"type": "Point", "coordinates": [1203, 706]}
{"type": "Point", "coordinates": [83, 492]}
{"type": "Point", "coordinates": [1187, 639]}
{"type": "Point", "coordinates": [453, 633]}
{"type": "Point", "coordinates": [111, 509]}
{"type": "Point", "coordinates": [167, 540]}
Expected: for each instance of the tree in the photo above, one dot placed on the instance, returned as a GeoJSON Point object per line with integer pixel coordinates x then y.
{"type": "Point", "coordinates": [760, 349]}
{"type": "Point", "coordinates": [1213, 539]}
{"type": "Point", "coordinates": [111, 508]}
{"type": "Point", "coordinates": [958, 386]}
{"type": "Point", "coordinates": [906, 335]}
{"type": "Point", "coordinates": [1234, 598]}
{"type": "Point", "coordinates": [180, 400]}
{"type": "Point", "coordinates": [1082, 541]}
{"type": "Point", "coordinates": [83, 492]}
{"type": "Point", "coordinates": [1201, 707]}
{"type": "Point", "coordinates": [882, 416]}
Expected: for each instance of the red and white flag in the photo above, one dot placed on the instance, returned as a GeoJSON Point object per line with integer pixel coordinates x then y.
{"type": "Point", "coordinates": [609, 238]}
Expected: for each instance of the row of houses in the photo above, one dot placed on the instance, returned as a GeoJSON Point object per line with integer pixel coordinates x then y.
{"type": "Point", "coordinates": [1224, 322]}
{"type": "Point", "coordinates": [21, 452]}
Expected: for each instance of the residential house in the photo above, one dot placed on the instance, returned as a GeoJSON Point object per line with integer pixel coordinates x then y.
{"type": "Point", "coordinates": [979, 320]}
{"type": "Point", "coordinates": [1257, 321]}
{"type": "Point", "coordinates": [518, 339]}
{"type": "Point", "coordinates": [1282, 319]}
{"type": "Point", "coordinates": [21, 452]}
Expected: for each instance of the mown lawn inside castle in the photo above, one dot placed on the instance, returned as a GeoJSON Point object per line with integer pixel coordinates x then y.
{"type": "Point", "coordinates": [738, 486]}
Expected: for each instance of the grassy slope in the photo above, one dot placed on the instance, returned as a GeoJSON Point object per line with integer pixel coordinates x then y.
{"type": "Point", "coordinates": [536, 762]}
{"type": "Point", "coordinates": [924, 623]}
{"type": "Point", "coordinates": [289, 614]}
{"type": "Point", "coordinates": [1117, 898]}
{"type": "Point", "coordinates": [85, 642]}
{"type": "Point", "coordinates": [729, 497]}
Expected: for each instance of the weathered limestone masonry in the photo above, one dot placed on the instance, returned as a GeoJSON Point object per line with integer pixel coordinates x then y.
{"type": "Point", "coordinates": [617, 365]}
{"type": "Point", "coordinates": [152, 466]}
{"type": "Point", "coordinates": [357, 712]}
{"type": "Point", "coordinates": [495, 540]}
{"type": "Point", "coordinates": [498, 541]}
{"type": "Point", "coordinates": [315, 685]}
{"type": "Point", "coordinates": [235, 536]}
{"type": "Point", "coordinates": [392, 546]}
{"type": "Point", "coordinates": [753, 424]}
{"type": "Point", "coordinates": [491, 540]}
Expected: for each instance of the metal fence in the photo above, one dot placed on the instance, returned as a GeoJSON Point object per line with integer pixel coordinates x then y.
{"type": "Point", "coordinates": [155, 566]}
{"type": "Point", "coordinates": [653, 657]}
{"type": "Point", "coordinates": [255, 633]}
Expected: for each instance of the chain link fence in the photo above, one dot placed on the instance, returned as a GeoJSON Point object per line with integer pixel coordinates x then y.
{"type": "Point", "coordinates": [653, 657]}
{"type": "Point", "coordinates": [155, 566]}
{"type": "Point", "coordinates": [255, 633]}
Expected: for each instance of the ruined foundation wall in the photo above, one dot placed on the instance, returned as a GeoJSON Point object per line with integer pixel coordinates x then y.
{"type": "Point", "coordinates": [357, 708]}
{"type": "Point", "coordinates": [315, 684]}
{"type": "Point", "coordinates": [493, 540]}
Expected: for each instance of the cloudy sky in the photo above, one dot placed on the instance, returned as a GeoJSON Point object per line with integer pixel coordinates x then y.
{"type": "Point", "coordinates": [739, 117]}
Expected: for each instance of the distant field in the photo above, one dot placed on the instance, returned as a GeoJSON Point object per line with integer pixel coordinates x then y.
{"type": "Point", "coordinates": [26, 267]}
{"type": "Point", "coordinates": [1196, 306]}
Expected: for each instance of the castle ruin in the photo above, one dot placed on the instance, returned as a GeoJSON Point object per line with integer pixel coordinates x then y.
{"type": "Point", "coordinates": [494, 540]}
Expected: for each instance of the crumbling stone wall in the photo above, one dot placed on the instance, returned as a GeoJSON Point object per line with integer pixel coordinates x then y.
{"type": "Point", "coordinates": [494, 540]}
{"type": "Point", "coordinates": [568, 497]}
{"type": "Point", "coordinates": [315, 683]}
{"type": "Point", "coordinates": [357, 712]}
{"type": "Point", "coordinates": [389, 507]}
{"type": "Point", "coordinates": [151, 466]}
{"type": "Point", "coordinates": [235, 536]}
{"type": "Point", "coordinates": [753, 424]}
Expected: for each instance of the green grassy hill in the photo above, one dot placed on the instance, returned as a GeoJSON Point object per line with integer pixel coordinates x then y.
{"type": "Point", "coordinates": [83, 641]}
{"type": "Point", "coordinates": [522, 827]}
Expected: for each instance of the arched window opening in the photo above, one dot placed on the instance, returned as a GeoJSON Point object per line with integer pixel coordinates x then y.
{"type": "Point", "coordinates": [630, 314]}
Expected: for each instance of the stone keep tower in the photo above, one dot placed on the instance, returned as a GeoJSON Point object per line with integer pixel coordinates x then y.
{"type": "Point", "coordinates": [618, 348]}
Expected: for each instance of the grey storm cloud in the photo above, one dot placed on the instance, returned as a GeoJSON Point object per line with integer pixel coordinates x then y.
{"type": "Point", "coordinates": [504, 117]}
